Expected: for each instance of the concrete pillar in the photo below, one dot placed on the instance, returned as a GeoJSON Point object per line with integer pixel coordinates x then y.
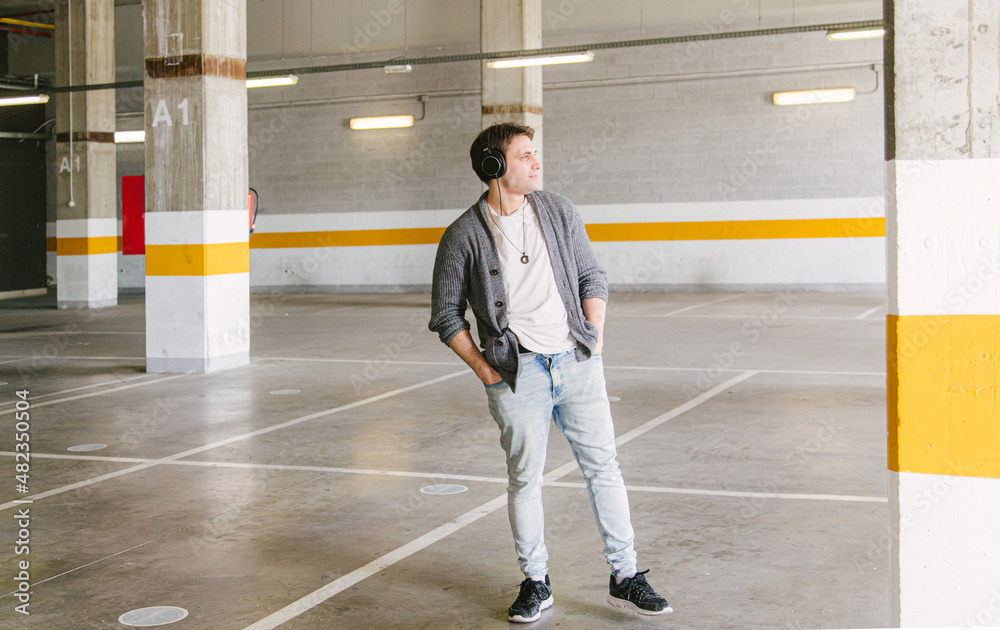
{"type": "Point", "coordinates": [86, 207]}
{"type": "Point", "coordinates": [512, 94]}
{"type": "Point", "coordinates": [197, 231]}
{"type": "Point", "coordinates": [943, 187]}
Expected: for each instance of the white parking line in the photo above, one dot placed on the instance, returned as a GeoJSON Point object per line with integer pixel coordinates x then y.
{"type": "Point", "coordinates": [606, 367]}
{"type": "Point", "coordinates": [320, 595]}
{"type": "Point", "coordinates": [756, 370]}
{"type": "Point", "coordinates": [691, 308]}
{"type": "Point", "coordinates": [69, 358]}
{"type": "Point", "coordinates": [744, 316]}
{"type": "Point", "coordinates": [60, 333]}
{"type": "Point", "coordinates": [870, 311]}
{"type": "Point", "coordinates": [83, 566]}
{"type": "Point", "coordinates": [410, 474]}
{"type": "Point", "coordinates": [342, 583]}
{"type": "Point", "coordinates": [372, 361]}
{"type": "Point", "coordinates": [101, 393]}
{"type": "Point", "coordinates": [85, 458]}
{"type": "Point", "coordinates": [346, 471]}
{"type": "Point", "coordinates": [230, 440]}
{"type": "Point", "coordinates": [80, 389]}
{"type": "Point", "coordinates": [691, 404]}
{"type": "Point", "coordinates": [739, 494]}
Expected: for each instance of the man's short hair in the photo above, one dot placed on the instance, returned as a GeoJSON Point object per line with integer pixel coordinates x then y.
{"type": "Point", "coordinates": [500, 136]}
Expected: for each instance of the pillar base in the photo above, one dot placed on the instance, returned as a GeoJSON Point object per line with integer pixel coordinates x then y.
{"type": "Point", "coordinates": [946, 554]}
{"type": "Point", "coordinates": [83, 304]}
{"type": "Point", "coordinates": [196, 324]}
{"type": "Point", "coordinates": [196, 365]}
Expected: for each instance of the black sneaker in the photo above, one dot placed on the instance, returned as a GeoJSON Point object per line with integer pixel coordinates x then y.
{"type": "Point", "coordinates": [637, 595]}
{"type": "Point", "coordinates": [534, 597]}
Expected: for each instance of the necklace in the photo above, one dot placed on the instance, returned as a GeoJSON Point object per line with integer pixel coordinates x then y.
{"type": "Point", "coordinates": [524, 232]}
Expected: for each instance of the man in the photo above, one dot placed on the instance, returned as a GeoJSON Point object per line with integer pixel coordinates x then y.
{"type": "Point", "coordinates": [521, 258]}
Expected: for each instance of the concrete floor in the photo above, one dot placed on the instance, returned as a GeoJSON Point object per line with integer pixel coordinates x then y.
{"type": "Point", "coordinates": [761, 505]}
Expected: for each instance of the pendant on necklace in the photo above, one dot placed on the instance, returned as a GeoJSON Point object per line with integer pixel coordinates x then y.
{"type": "Point", "coordinates": [524, 258]}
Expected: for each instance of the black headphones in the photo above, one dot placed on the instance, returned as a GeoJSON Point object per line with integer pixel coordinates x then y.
{"type": "Point", "coordinates": [492, 165]}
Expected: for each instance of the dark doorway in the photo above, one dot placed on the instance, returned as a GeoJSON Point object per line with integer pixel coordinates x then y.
{"type": "Point", "coordinates": [22, 199]}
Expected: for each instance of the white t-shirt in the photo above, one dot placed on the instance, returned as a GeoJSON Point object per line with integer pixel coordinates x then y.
{"type": "Point", "coordinates": [535, 312]}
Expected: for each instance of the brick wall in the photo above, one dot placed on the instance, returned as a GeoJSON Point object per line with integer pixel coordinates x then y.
{"type": "Point", "coordinates": [653, 124]}
{"type": "Point", "coordinates": [671, 126]}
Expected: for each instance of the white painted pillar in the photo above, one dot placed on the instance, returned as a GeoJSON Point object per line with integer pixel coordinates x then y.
{"type": "Point", "coordinates": [86, 207]}
{"type": "Point", "coordinates": [197, 231]}
{"type": "Point", "coordinates": [943, 328]}
{"type": "Point", "coordinates": [512, 94]}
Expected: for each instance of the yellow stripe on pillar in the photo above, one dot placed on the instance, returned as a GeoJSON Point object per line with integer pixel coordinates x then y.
{"type": "Point", "coordinates": [84, 246]}
{"type": "Point", "coordinates": [942, 394]}
{"type": "Point", "coordinates": [197, 259]}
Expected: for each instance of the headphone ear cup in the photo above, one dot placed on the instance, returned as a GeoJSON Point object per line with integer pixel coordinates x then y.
{"type": "Point", "coordinates": [493, 165]}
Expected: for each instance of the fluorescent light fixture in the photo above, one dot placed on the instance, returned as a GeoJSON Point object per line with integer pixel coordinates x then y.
{"type": "Point", "coordinates": [814, 97]}
{"type": "Point", "coordinates": [382, 122]}
{"type": "Point", "coordinates": [540, 60]}
{"type": "Point", "coordinates": [856, 33]}
{"type": "Point", "coordinates": [123, 137]}
{"type": "Point", "coordinates": [399, 69]}
{"type": "Point", "coordinates": [33, 99]}
{"type": "Point", "coordinates": [288, 79]}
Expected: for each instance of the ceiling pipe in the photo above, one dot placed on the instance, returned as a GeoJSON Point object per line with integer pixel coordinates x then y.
{"type": "Point", "coordinates": [368, 65]}
{"type": "Point", "coordinates": [11, 29]}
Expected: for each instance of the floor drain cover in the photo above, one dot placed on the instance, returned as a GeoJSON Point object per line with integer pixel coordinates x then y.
{"type": "Point", "coordinates": [85, 448]}
{"type": "Point", "coordinates": [285, 392]}
{"type": "Point", "coordinates": [447, 488]}
{"type": "Point", "coordinates": [153, 616]}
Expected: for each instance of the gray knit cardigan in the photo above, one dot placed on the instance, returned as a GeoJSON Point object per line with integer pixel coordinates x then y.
{"type": "Point", "coordinates": [467, 269]}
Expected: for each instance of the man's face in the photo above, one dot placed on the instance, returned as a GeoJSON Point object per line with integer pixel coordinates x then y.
{"type": "Point", "coordinates": [523, 166]}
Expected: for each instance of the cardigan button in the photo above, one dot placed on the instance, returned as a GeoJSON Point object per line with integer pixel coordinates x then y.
{"type": "Point", "coordinates": [500, 342]}
{"type": "Point", "coordinates": [494, 272]}
{"type": "Point", "coordinates": [499, 304]}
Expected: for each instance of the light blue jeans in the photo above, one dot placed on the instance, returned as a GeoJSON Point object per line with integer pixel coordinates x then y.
{"type": "Point", "coordinates": [573, 394]}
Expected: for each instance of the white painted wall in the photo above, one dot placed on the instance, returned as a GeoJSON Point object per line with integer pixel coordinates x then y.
{"type": "Point", "coordinates": [825, 263]}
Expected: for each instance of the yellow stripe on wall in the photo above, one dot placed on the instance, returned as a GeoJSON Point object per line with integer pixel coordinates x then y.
{"type": "Point", "coordinates": [84, 246]}
{"type": "Point", "coordinates": [347, 238]}
{"type": "Point", "coordinates": [736, 230]}
{"type": "Point", "coordinates": [598, 232]}
{"type": "Point", "coordinates": [197, 260]}
{"type": "Point", "coordinates": [942, 394]}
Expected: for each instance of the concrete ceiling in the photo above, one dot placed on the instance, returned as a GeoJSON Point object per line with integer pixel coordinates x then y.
{"type": "Point", "coordinates": [8, 7]}
{"type": "Point", "coordinates": [279, 29]}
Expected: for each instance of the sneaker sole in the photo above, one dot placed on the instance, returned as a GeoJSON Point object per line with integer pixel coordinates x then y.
{"type": "Point", "coordinates": [545, 604]}
{"type": "Point", "coordinates": [627, 605]}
